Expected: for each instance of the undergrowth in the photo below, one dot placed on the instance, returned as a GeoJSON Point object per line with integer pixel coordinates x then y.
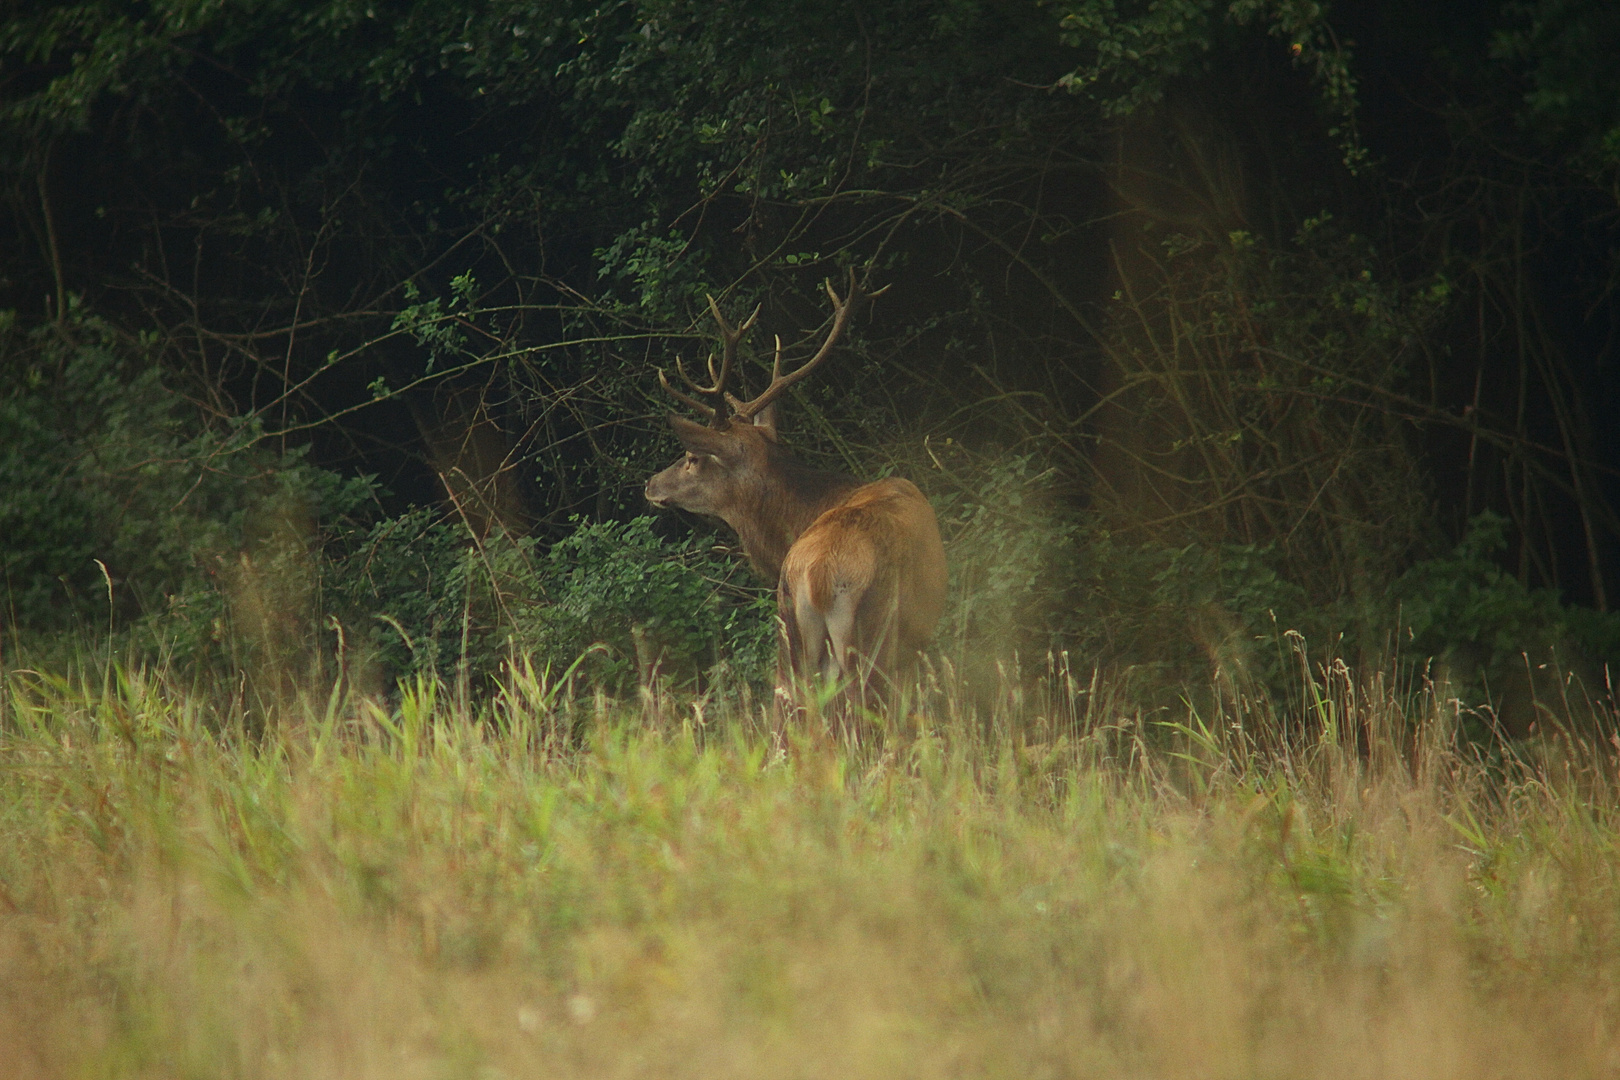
{"type": "Point", "coordinates": [553, 882]}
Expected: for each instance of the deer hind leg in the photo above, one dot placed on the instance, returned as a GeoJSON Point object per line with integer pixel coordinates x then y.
{"type": "Point", "coordinates": [806, 634]}
{"type": "Point", "coordinates": [876, 650]}
{"type": "Point", "coordinates": [821, 640]}
{"type": "Point", "coordinates": [841, 660]}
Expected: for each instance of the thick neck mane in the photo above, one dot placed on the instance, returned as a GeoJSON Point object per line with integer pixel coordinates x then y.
{"type": "Point", "coordinates": [793, 496]}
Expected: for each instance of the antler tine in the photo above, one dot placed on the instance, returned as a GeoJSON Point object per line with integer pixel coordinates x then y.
{"type": "Point", "coordinates": [729, 337]}
{"type": "Point", "coordinates": [780, 382]}
{"type": "Point", "coordinates": [680, 369]}
{"type": "Point", "coordinates": [708, 411]}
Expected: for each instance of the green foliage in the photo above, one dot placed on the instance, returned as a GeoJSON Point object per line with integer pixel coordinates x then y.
{"type": "Point", "coordinates": [664, 273]}
{"type": "Point", "coordinates": [1563, 51]}
{"type": "Point", "coordinates": [1031, 573]}
{"type": "Point", "coordinates": [1249, 407]}
{"type": "Point", "coordinates": [1012, 555]}
{"type": "Point", "coordinates": [1129, 59]}
{"type": "Point", "coordinates": [424, 596]}
{"type": "Point", "coordinates": [420, 596]}
{"type": "Point", "coordinates": [1133, 51]}
{"type": "Point", "coordinates": [1179, 615]}
{"type": "Point", "coordinates": [432, 327]}
{"type": "Point", "coordinates": [101, 461]}
{"type": "Point", "coordinates": [1464, 606]}
{"type": "Point", "coordinates": [1182, 614]}
{"type": "Point", "coordinates": [672, 606]}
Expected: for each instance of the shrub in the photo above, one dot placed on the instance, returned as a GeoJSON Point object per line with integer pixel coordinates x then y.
{"type": "Point", "coordinates": [103, 461]}
{"type": "Point", "coordinates": [427, 597]}
{"type": "Point", "coordinates": [1463, 609]}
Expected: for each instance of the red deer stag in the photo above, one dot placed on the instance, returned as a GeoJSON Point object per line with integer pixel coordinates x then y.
{"type": "Point", "coordinates": [859, 568]}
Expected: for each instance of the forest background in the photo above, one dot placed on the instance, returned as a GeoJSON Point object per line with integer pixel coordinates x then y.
{"type": "Point", "coordinates": [330, 331]}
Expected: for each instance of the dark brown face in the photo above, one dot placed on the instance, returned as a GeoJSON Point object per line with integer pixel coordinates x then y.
{"type": "Point", "coordinates": [718, 471]}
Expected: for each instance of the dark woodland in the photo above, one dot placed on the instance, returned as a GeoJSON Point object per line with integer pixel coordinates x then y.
{"type": "Point", "coordinates": [330, 330]}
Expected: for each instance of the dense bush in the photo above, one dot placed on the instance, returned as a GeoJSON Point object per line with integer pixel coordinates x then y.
{"type": "Point", "coordinates": [1032, 573]}
{"type": "Point", "coordinates": [423, 595]}
{"type": "Point", "coordinates": [674, 607]}
{"type": "Point", "coordinates": [117, 489]}
{"type": "Point", "coordinates": [227, 554]}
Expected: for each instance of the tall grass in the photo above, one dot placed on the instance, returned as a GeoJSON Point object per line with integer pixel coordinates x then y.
{"type": "Point", "coordinates": [1049, 884]}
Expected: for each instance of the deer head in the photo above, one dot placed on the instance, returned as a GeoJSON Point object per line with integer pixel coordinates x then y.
{"type": "Point", "coordinates": [733, 467]}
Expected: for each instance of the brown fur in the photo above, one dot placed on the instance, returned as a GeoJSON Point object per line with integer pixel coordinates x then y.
{"type": "Point", "coordinates": [880, 548]}
{"type": "Point", "coordinates": [860, 568]}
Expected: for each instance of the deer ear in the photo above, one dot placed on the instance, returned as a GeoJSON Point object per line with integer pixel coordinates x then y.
{"type": "Point", "coordinates": [700, 439]}
{"type": "Point", "coordinates": [765, 420]}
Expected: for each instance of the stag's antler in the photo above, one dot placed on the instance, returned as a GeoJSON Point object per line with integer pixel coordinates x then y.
{"type": "Point", "coordinates": [729, 337]}
{"type": "Point", "coordinates": [779, 382]}
{"type": "Point", "coordinates": [708, 411]}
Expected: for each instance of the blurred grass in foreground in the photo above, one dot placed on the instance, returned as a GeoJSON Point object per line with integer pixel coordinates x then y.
{"type": "Point", "coordinates": [558, 886]}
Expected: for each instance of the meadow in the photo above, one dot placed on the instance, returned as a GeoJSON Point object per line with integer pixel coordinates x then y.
{"type": "Point", "coordinates": [1046, 881]}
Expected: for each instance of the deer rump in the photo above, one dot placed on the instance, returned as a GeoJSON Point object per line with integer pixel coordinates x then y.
{"type": "Point", "coordinates": [861, 590]}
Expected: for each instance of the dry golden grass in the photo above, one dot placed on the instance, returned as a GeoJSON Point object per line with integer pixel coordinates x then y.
{"type": "Point", "coordinates": [419, 892]}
